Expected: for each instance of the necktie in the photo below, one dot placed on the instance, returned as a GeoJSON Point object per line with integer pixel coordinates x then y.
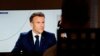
{"type": "Point", "coordinates": [37, 43]}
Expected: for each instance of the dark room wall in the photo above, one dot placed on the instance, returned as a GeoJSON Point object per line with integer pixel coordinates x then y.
{"type": "Point", "coordinates": [30, 4]}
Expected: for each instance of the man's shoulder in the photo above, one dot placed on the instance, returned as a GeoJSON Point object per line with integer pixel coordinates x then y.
{"type": "Point", "coordinates": [46, 32]}
{"type": "Point", "coordinates": [25, 33]}
{"type": "Point", "coordinates": [50, 37]}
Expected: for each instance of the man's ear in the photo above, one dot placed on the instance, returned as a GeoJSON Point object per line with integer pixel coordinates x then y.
{"type": "Point", "coordinates": [31, 24]}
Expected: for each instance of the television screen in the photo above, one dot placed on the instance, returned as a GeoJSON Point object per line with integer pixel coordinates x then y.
{"type": "Point", "coordinates": [13, 22]}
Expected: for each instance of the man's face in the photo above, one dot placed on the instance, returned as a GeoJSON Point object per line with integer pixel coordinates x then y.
{"type": "Point", "coordinates": [38, 24]}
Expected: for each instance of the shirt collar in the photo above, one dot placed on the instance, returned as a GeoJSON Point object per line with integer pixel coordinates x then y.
{"type": "Point", "coordinates": [35, 34]}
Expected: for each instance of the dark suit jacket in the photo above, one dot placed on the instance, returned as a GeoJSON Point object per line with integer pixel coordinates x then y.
{"type": "Point", "coordinates": [25, 43]}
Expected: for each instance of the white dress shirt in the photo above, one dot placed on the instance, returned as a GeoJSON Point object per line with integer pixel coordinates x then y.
{"type": "Point", "coordinates": [34, 38]}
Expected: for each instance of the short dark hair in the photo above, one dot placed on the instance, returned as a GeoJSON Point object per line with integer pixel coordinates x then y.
{"type": "Point", "coordinates": [36, 14]}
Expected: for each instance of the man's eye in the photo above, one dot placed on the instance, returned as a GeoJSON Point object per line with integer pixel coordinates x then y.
{"type": "Point", "coordinates": [42, 22]}
{"type": "Point", "coordinates": [38, 22]}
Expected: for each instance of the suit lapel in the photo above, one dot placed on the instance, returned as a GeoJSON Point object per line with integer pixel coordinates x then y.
{"type": "Point", "coordinates": [31, 39]}
{"type": "Point", "coordinates": [43, 44]}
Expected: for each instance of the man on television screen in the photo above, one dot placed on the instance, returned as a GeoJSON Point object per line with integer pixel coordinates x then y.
{"type": "Point", "coordinates": [36, 41]}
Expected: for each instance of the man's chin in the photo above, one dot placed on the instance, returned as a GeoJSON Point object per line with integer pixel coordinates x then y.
{"type": "Point", "coordinates": [40, 32]}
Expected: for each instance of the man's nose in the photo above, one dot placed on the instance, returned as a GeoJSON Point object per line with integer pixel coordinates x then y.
{"type": "Point", "coordinates": [42, 24]}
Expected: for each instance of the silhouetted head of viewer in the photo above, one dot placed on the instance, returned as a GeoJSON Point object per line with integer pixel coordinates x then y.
{"type": "Point", "coordinates": [75, 14]}
{"type": "Point", "coordinates": [35, 41]}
